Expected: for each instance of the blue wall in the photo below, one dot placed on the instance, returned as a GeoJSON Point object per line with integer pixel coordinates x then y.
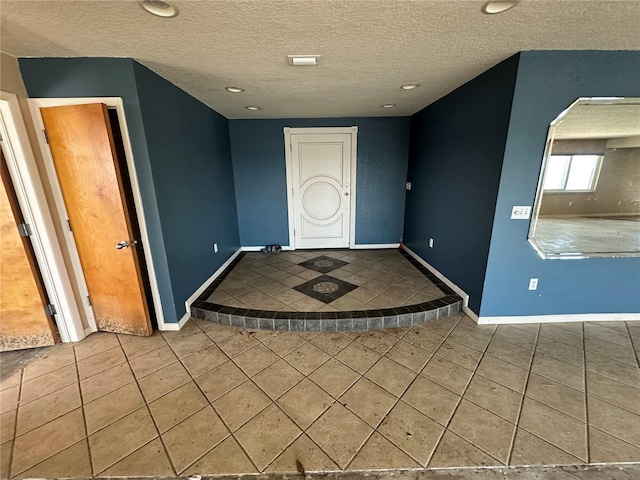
{"type": "Point", "coordinates": [168, 168]}
{"type": "Point", "coordinates": [547, 83]}
{"type": "Point", "coordinates": [261, 187]}
{"type": "Point", "coordinates": [457, 146]}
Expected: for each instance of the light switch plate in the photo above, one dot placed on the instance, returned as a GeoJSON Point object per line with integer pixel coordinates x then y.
{"type": "Point", "coordinates": [520, 212]}
{"type": "Point", "coordinates": [407, 185]}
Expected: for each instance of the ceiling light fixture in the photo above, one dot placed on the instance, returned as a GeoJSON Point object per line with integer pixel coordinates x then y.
{"type": "Point", "coordinates": [498, 6]}
{"type": "Point", "coordinates": [159, 8]}
{"type": "Point", "coordinates": [234, 89]}
{"type": "Point", "coordinates": [252, 108]}
{"type": "Point", "coordinates": [388, 105]}
{"type": "Point", "coordinates": [410, 86]}
{"type": "Point", "coordinates": [303, 60]}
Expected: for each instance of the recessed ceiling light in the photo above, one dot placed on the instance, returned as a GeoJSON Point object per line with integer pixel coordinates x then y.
{"type": "Point", "coordinates": [498, 6]}
{"type": "Point", "coordinates": [252, 108]}
{"type": "Point", "coordinates": [234, 89]}
{"type": "Point", "coordinates": [410, 86]}
{"type": "Point", "coordinates": [303, 60]}
{"type": "Point", "coordinates": [159, 8]}
{"type": "Point", "coordinates": [388, 105]}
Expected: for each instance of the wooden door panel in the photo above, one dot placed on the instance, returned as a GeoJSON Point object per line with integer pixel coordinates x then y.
{"type": "Point", "coordinates": [84, 156]}
{"type": "Point", "coordinates": [24, 323]}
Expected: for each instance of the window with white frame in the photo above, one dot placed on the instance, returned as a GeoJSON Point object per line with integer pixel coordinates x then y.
{"type": "Point", "coordinates": [572, 173]}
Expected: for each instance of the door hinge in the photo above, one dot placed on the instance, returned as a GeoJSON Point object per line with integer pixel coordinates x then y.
{"type": "Point", "coordinates": [50, 310]}
{"type": "Point", "coordinates": [69, 225]}
{"type": "Point", "coordinates": [89, 301]}
{"type": "Point", "coordinates": [25, 230]}
{"type": "Point", "coordinates": [46, 138]}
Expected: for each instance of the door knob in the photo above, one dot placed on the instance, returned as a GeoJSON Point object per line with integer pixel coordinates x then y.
{"type": "Point", "coordinates": [122, 244]}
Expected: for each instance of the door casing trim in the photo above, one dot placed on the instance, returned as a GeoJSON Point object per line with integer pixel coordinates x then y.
{"type": "Point", "coordinates": [288, 131]}
{"type": "Point", "coordinates": [114, 102]}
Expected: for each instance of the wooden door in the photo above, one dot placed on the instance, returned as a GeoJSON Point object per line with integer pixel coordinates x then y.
{"type": "Point", "coordinates": [321, 167]}
{"type": "Point", "coordinates": [84, 155]}
{"type": "Point", "coordinates": [24, 323]}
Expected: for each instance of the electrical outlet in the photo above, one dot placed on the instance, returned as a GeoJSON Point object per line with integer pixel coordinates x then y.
{"type": "Point", "coordinates": [431, 243]}
{"type": "Point", "coordinates": [215, 248]}
{"type": "Point", "coordinates": [533, 284]}
{"type": "Point", "coordinates": [520, 212]}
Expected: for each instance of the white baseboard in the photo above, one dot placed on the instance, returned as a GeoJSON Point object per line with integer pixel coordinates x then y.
{"type": "Point", "coordinates": [578, 317]}
{"type": "Point", "coordinates": [198, 292]}
{"type": "Point", "coordinates": [259, 248]}
{"type": "Point", "coordinates": [445, 280]}
{"type": "Point", "coordinates": [373, 246]}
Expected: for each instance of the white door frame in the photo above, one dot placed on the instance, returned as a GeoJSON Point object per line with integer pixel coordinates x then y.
{"type": "Point", "coordinates": [33, 205]}
{"type": "Point", "coordinates": [353, 131]}
{"type": "Point", "coordinates": [115, 102]}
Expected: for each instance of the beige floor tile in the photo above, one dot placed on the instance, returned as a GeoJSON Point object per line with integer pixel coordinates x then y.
{"type": "Point", "coordinates": [492, 396]}
{"type": "Point", "coordinates": [47, 408]}
{"type": "Point", "coordinates": [7, 425]}
{"type": "Point", "coordinates": [331, 343]}
{"type": "Point", "coordinates": [306, 358]}
{"type": "Point", "coordinates": [379, 452]}
{"type": "Point", "coordinates": [560, 351]}
{"type": "Point", "coordinates": [619, 353]}
{"type": "Point", "coordinates": [483, 429]}
{"type": "Point", "coordinates": [614, 392]}
{"type": "Point", "coordinates": [5, 459]}
{"type": "Point", "coordinates": [515, 335]}
{"type": "Point", "coordinates": [255, 360]}
{"type": "Point", "coordinates": [177, 405]}
{"type": "Point", "coordinates": [613, 335]}
{"type": "Point", "coordinates": [100, 362]}
{"type": "Point", "coordinates": [111, 407]}
{"type": "Point", "coordinates": [241, 404]}
{"type": "Point", "coordinates": [186, 346]}
{"type": "Point", "coordinates": [95, 343]}
{"type": "Point", "coordinates": [621, 372]}
{"type": "Point", "coordinates": [358, 357]}
{"type": "Point", "coordinates": [150, 460]}
{"type": "Point", "coordinates": [48, 383]}
{"type": "Point", "coordinates": [334, 377]}
{"type": "Point", "coordinates": [447, 374]}
{"type": "Point", "coordinates": [10, 380]}
{"type": "Point", "coordinates": [554, 332]}
{"type": "Point", "coordinates": [61, 433]}
{"type": "Point", "coordinates": [275, 287]}
{"type": "Point", "coordinates": [436, 402]}
{"type": "Point", "coordinates": [558, 396]}
{"type": "Point", "coordinates": [441, 327]}
{"type": "Point", "coordinates": [106, 382]}
{"type": "Point", "coordinates": [383, 300]}
{"type": "Point", "coordinates": [226, 458]}
{"type": "Point", "coordinates": [70, 462]}
{"type": "Point", "coordinates": [163, 381]}
{"type": "Point", "coordinates": [614, 420]}
{"type": "Point", "coordinates": [120, 439]}
{"type": "Point", "coordinates": [307, 304]}
{"type": "Point", "coordinates": [215, 331]}
{"type": "Point", "coordinates": [267, 435]}
{"type": "Point", "coordinates": [391, 376]}
{"type": "Point", "coordinates": [191, 439]}
{"type": "Point", "coordinates": [559, 371]}
{"type": "Point", "coordinates": [378, 340]}
{"type": "Point", "coordinates": [220, 380]}
{"type": "Point", "coordinates": [152, 361]}
{"type": "Point", "coordinates": [531, 450]}
{"type": "Point", "coordinates": [304, 403]}
{"type": "Point", "coordinates": [277, 379]}
{"type": "Point", "coordinates": [53, 359]}
{"type": "Point", "coordinates": [606, 448]}
{"type": "Point", "coordinates": [282, 343]}
{"type": "Point", "coordinates": [305, 454]}
{"type": "Point", "coordinates": [411, 356]}
{"type": "Point", "coordinates": [138, 346]}
{"type": "Point", "coordinates": [187, 329]}
{"type": "Point", "coordinates": [560, 430]}
{"type": "Point", "coordinates": [510, 353]}
{"type": "Point", "coordinates": [341, 448]}
{"type": "Point", "coordinates": [415, 433]}
{"type": "Point", "coordinates": [237, 343]}
{"type": "Point", "coordinates": [459, 354]}
{"type": "Point", "coordinates": [454, 451]}
{"type": "Point", "coordinates": [470, 338]}
{"type": "Point", "coordinates": [369, 401]}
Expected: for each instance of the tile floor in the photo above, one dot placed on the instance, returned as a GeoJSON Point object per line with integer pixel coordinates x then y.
{"type": "Point", "coordinates": [212, 399]}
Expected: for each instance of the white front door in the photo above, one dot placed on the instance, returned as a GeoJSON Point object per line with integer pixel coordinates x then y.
{"type": "Point", "coordinates": [321, 189]}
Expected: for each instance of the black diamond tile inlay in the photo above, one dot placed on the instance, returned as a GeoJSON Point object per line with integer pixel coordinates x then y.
{"type": "Point", "coordinates": [325, 288]}
{"type": "Point", "coordinates": [323, 264]}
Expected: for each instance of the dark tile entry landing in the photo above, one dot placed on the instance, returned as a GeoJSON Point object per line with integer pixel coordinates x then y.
{"type": "Point", "coordinates": [326, 290]}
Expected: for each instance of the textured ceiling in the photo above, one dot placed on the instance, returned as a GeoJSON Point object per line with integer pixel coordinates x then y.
{"type": "Point", "coordinates": [369, 47]}
{"type": "Point", "coordinates": [600, 121]}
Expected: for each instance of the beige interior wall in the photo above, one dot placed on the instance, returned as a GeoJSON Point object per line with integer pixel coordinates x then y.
{"type": "Point", "coordinates": [11, 82]}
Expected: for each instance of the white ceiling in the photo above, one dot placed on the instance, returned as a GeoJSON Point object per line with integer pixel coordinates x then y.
{"type": "Point", "coordinates": [369, 47]}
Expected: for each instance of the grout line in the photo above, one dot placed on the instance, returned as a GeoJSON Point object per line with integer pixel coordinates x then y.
{"type": "Point", "coordinates": [84, 416]}
{"type": "Point", "coordinates": [636, 348]}
{"type": "Point", "coordinates": [15, 425]}
{"type": "Point", "coordinates": [586, 394]}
